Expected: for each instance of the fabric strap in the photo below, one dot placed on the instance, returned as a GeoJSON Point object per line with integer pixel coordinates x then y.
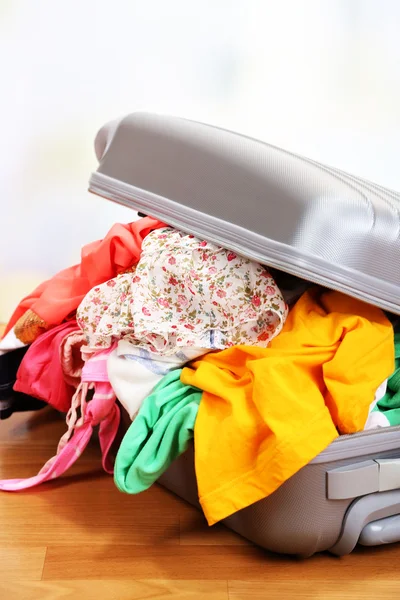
{"type": "Point", "coordinates": [101, 410]}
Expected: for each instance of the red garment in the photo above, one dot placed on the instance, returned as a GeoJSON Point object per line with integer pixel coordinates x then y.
{"type": "Point", "coordinates": [40, 373]}
{"type": "Point", "coordinates": [53, 300]}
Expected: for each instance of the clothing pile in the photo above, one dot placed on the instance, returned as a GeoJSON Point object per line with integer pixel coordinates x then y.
{"type": "Point", "coordinates": [192, 341]}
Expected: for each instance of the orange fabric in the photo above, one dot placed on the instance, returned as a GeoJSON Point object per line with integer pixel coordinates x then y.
{"type": "Point", "coordinates": [265, 413]}
{"type": "Point", "coordinates": [54, 300]}
{"type": "Point", "coordinates": [29, 327]}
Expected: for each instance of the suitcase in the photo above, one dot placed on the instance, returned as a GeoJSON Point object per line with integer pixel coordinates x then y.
{"type": "Point", "coordinates": [308, 220]}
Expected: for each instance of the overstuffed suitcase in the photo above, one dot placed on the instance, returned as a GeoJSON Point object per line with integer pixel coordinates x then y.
{"type": "Point", "coordinates": [308, 220]}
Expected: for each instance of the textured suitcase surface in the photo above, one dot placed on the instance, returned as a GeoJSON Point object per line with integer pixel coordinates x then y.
{"type": "Point", "coordinates": [268, 204]}
{"type": "Point", "coordinates": [322, 506]}
{"type": "Point", "coordinates": [306, 219]}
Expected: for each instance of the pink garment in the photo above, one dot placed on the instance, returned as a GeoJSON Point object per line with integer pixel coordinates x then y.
{"type": "Point", "coordinates": [101, 410]}
{"type": "Point", "coordinates": [71, 357]}
{"type": "Point", "coordinates": [40, 373]}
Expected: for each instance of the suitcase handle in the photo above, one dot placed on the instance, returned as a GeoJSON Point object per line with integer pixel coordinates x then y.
{"type": "Point", "coordinates": [383, 531]}
{"type": "Point", "coordinates": [374, 507]}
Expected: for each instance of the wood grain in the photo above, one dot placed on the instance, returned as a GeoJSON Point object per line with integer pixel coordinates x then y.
{"type": "Point", "coordinates": [212, 562]}
{"type": "Point", "coordinates": [21, 563]}
{"type": "Point", "coordinates": [116, 590]}
{"type": "Point", "coordinates": [329, 589]}
{"type": "Point", "coordinates": [80, 538]}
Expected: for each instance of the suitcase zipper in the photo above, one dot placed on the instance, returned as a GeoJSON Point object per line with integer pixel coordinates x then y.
{"type": "Point", "coordinates": [275, 254]}
{"type": "Point", "coordinates": [363, 443]}
{"type": "Point", "coordinates": [196, 223]}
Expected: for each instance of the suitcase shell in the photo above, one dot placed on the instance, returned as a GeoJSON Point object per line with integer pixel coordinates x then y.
{"type": "Point", "coordinates": [306, 219]}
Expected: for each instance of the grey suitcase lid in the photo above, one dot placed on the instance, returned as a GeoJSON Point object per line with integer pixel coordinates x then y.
{"type": "Point", "coordinates": [268, 204]}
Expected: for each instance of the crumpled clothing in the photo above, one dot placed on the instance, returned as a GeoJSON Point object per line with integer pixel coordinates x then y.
{"type": "Point", "coordinates": [55, 300]}
{"type": "Point", "coordinates": [40, 373]}
{"type": "Point", "coordinates": [82, 417]}
{"type": "Point", "coordinates": [185, 292]}
{"type": "Point", "coordinates": [10, 400]}
{"type": "Point", "coordinates": [72, 357]}
{"type": "Point", "coordinates": [380, 392]}
{"type": "Point", "coordinates": [134, 372]}
{"type": "Point", "coordinates": [161, 432]}
{"type": "Point", "coordinates": [10, 342]}
{"type": "Point", "coordinates": [386, 412]}
{"type": "Point", "coordinates": [267, 412]}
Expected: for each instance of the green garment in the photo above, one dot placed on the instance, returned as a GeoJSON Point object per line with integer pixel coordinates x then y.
{"type": "Point", "coordinates": [389, 405]}
{"type": "Point", "coordinates": [160, 432]}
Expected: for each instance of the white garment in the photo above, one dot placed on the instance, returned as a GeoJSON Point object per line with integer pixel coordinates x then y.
{"type": "Point", "coordinates": [377, 419]}
{"type": "Point", "coordinates": [10, 342]}
{"type": "Point", "coordinates": [134, 372]}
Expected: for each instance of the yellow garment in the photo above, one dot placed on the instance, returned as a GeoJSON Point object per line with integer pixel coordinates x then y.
{"type": "Point", "coordinates": [266, 412]}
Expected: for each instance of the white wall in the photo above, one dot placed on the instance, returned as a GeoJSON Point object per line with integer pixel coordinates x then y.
{"type": "Point", "coordinates": [320, 77]}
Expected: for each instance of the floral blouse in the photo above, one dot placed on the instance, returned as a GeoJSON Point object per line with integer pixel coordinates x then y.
{"type": "Point", "coordinates": [185, 292]}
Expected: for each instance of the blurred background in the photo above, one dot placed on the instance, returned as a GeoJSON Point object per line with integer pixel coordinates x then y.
{"type": "Point", "coordinates": [319, 77]}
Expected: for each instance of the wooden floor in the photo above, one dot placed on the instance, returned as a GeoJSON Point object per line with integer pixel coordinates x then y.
{"type": "Point", "coordinates": [79, 537]}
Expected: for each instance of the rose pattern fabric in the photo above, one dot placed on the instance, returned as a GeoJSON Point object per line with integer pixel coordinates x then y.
{"type": "Point", "coordinates": [185, 292]}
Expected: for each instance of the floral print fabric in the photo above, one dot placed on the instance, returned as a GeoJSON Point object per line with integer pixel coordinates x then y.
{"type": "Point", "coordinates": [185, 292]}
